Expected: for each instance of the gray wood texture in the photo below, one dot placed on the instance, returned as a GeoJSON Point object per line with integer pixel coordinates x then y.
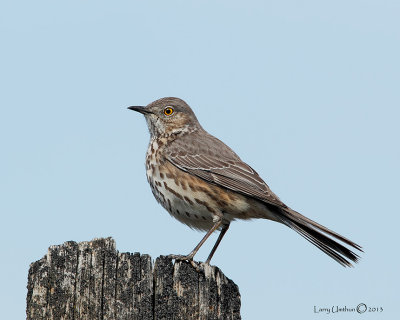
{"type": "Point", "coordinates": [92, 280]}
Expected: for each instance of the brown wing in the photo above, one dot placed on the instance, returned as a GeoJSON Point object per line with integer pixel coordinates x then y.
{"type": "Point", "coordinates": [208, 158]}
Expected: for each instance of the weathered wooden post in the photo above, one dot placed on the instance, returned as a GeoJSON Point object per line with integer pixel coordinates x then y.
{"type": "Point", "coordinates": [92, 280]}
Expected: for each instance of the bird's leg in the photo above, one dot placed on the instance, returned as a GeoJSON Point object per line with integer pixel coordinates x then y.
{"type": "Point", "coordinates": [224, 229]}
{"type": "Point", "coordinates": [190, 256]}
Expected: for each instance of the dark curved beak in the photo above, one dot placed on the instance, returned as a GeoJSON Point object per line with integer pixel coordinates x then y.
{"type": "Point", "coordinates": [140, 109]}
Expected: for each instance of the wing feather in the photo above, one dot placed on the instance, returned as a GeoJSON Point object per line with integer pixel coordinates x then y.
{"type": "Point", "coordinates": [210, 159]}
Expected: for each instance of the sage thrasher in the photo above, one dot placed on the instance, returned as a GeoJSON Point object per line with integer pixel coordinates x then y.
{"type": "Point", "coordinates": [202, 183]}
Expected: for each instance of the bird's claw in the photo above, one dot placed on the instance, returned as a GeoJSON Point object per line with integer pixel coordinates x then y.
{"type": "Point", "coordinates": [188, 258]}
{"type": "Point", "coordinates": [180, 257]}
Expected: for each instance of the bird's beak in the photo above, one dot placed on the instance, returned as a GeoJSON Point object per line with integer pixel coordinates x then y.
{"type": "Point", "coordinates": [140, 109]}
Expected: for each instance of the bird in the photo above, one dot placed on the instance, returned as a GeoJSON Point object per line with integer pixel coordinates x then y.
{"type": "Point", "coordinates": [204, 184]}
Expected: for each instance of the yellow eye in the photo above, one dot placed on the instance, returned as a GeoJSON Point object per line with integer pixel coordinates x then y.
{"type": "Point", "coordinates": [168, 111]}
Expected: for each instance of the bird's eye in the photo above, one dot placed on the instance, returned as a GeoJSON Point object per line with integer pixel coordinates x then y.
{"type": "Point", "coordinates": [168, 111]}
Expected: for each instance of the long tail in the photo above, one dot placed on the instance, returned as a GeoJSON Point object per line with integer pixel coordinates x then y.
{"type": "Point", "coordinates": [317, 235]}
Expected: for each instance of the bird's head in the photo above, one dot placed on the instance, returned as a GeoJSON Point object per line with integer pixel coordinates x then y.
{"type": "Point", "coordinates": [168, 116]}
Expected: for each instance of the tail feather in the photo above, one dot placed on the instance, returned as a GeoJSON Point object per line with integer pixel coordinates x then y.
{"type": "Point", "coordinates": [316, 234]}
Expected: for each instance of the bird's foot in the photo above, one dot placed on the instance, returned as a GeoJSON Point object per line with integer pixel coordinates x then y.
{"type": "Point", "coordinates": [188, 258]}
{"type": "Point", "coordinates": [180, 257]}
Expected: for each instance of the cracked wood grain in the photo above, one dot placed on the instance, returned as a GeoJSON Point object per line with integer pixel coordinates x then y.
{"type": "Point", "coordinates": [92, 280]}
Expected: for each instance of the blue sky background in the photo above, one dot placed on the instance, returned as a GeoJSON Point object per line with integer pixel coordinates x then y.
{"type": "Point", "coordinates": [306, 92]}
